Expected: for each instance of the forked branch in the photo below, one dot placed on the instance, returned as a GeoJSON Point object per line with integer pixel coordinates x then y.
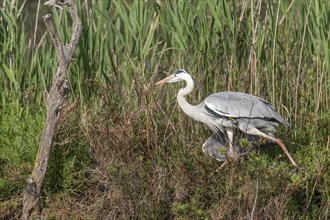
{"type": "Point", "coordinates": [55, 100]}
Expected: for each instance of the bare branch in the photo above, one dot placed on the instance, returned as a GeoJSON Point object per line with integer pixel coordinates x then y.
{"type": "Point", "coordinates": [56, 40]}
{"type": "Point", "coordinates": [55, 101]}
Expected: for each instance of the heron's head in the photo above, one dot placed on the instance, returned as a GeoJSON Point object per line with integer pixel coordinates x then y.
{"type": "Point", "coordinates": [177, 76]}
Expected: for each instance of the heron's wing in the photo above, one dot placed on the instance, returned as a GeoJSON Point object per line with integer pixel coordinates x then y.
{"type": "Point", "coordinates": [241, 105]}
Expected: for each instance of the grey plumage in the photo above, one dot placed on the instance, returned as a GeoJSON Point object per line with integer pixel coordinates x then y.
{"type": "Point", "coordinates": [228, 114]}
{"type": "Point", "coordinates": [242, 105]}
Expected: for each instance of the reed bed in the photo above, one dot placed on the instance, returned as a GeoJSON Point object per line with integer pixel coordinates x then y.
{"type": "Point", "coordinates": [124, 134]}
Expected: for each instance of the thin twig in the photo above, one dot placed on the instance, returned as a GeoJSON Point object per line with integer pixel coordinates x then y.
{"type": "Point", "coordinates": [274, 49]}
{"type": "Point", "coordinates": [299, 64]}
{"type": "Point", "coordinates": [36, 25]}
{"type": "Point", "coordinates": [255, 200]}
{"type": "Point", "coordinates": [288, 9]}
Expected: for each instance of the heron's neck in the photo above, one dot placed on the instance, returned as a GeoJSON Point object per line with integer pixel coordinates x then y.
{"type": "Point", "coordinates": [185, 106]}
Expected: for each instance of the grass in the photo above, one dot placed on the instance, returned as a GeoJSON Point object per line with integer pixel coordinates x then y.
{"type": "Point", "coordinates": [19, 138]}
{"type": "Point", "coordinates": [126, 150]}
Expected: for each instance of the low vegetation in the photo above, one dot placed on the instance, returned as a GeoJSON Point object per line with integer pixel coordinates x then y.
{"type": "Point", "coordinates": [125, 150]}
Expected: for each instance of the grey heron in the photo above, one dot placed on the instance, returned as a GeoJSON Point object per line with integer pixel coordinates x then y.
{"type": "Point", "coordinates": [227, 112]}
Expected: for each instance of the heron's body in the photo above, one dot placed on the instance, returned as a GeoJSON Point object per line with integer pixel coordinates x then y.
{"type": "Point", "coordinates": [235, 107]}
{"type": "Point", "coordinates": [225, 112]}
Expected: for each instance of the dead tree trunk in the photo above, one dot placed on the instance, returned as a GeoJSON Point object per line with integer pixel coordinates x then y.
{"type": "Point", "coordinates": [55, 100]}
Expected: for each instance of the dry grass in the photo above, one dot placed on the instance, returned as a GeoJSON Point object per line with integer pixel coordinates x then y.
{"type": "Point", "coordinates": [105, 166]}
{"type": "Point", "coordinates": [129, 178]}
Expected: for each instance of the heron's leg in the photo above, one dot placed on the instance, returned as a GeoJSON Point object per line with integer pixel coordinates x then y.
{"type": "Point", "coordinates": [230, 151]}
{"type": "Point", "coordinates": [223, 165]}
{"type": "Point", "coordinates": [255, 131]}
{"type": "Point", "coordinates": [280, 143]}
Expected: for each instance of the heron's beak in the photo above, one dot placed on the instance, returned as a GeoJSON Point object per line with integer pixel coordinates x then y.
{"type": "Point", "coordinates": [167, 79]}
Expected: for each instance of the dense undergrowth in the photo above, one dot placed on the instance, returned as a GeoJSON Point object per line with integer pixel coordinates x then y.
{"type": "Point", "coordinates": [103, 167]}
{"type": "Point", "coordinates": [123, 149]}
